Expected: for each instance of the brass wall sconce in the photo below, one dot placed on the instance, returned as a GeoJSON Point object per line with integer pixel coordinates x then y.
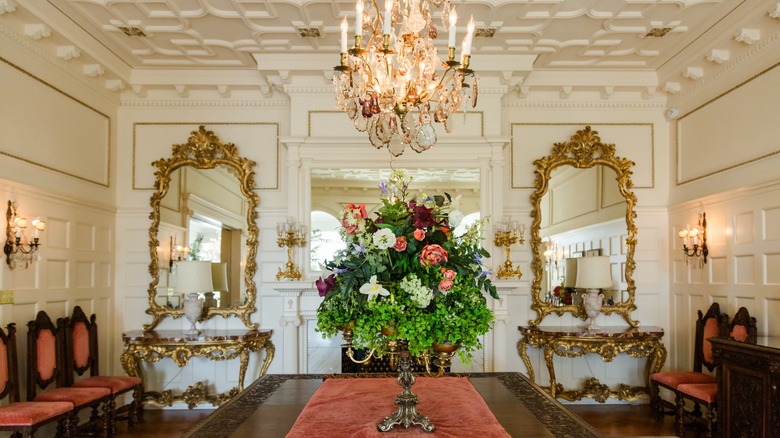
{"type": "Point", "coordinates": [290, 234]}
{"type": "Point", "coordinates": [695, 243]}
{"type": "Point", "coordinates": [19, 246]}
{"type": "Point", "coordinates": [507, 234]}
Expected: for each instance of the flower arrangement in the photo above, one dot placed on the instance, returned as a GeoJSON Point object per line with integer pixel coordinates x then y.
{"type": "Point", "coordinates": [405, 276]}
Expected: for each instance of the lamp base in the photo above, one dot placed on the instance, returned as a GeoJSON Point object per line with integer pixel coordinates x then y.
{"type": "Point", "coordinates": [592, 302]}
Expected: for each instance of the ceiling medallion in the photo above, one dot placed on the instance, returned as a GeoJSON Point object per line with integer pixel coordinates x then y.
{"type": "Point", "coordinates": [392, 86]}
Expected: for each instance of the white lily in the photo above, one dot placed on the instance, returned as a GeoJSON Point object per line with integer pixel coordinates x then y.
{"type": "Point", "coordinates": [373, 288]}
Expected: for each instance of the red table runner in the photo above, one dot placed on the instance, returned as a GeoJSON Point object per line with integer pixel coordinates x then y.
{"type": "Point", "coordinates": [353, 407]}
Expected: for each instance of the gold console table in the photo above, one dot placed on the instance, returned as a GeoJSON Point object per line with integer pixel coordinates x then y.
{"type": "Point", "coordinates": [607, 342]}
{"type": "Point", "coordinates": [217, 345]}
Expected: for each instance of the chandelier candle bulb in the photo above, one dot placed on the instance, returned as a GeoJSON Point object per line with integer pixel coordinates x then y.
{"type": "Point", "coordinates": [469, 38]}
{"type": "Point", "coordinates": [388, 16]}
{"type": "Point", "coordinates": [359, 19]}
{"type": "Point", "coordinates": [344, 27]}
{"type": "Point", "coordinates": [453, 21]}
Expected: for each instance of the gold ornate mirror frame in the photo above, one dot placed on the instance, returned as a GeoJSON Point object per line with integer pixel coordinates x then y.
{"type": "Point", "coordinates": [584, 150]}
{"type": "Point", "coordinates": [204, 150]}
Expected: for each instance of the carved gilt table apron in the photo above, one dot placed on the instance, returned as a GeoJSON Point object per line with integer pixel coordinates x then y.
{"type": "Point", "coordinates": [216, 345]}
{"type": "Point", "coordinates": [607, 342]}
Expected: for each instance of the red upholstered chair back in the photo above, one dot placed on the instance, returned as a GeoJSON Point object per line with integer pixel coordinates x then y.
{"type": "Point", "coordinates": [44, 355]}
{"type": "Point", "coordinates": [743, 326]}
{"type": "Point", "coordinates": [709, 325]}
{"type": "Point", "coordinates": [9, 375]}
{"type": "Point", "coordinates": [82, 354]}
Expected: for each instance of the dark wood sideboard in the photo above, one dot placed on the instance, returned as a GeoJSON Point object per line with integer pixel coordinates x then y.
{"type": "Point", "coordinates": [748, 379]}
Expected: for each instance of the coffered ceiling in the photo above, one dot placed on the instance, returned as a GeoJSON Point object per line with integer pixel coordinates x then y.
{"type": "Point", "coordinates": [132, 44]}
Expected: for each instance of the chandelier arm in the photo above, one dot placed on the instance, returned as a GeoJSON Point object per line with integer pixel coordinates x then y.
{"type": "Point", "coordinates": [442, 80]}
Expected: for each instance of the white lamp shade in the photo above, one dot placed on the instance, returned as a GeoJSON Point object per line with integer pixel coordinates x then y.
{"type": "Point", "coordinates": [193, 276]}
{"type": "Point", "coordinates": [571, 273]}
{"type": "Point", "coordinates": [219, 276]}
{"type": "Point", "coordinates": [593, 273]}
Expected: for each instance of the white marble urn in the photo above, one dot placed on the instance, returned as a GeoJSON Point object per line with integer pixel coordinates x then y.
{"type": "Point", "coordinates": [193, 309]}
{"type": "Point", "coordinates": [592, 301]}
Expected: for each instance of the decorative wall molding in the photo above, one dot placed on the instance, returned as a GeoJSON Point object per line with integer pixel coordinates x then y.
{"type": "Point", "coordinates": [725, 68]}
{"type": "Point", "coordinates": [209, 103]}
{"type": "Point", "coordinates": [26, 44]}
{"type": "Point", "coordinates": [583, 104]}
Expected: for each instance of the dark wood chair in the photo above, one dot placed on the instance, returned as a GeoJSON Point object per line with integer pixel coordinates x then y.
{"type": "Point", "coordinates": [45, 366]}
{"type": "Point", "coordinates": [742, 328]}
{"type": "Point", "coordinates": [81, 355]}
{"type": "Point", "coordinates": [25, 417]}
{"type": "Point", "coordinates": [711, 324]}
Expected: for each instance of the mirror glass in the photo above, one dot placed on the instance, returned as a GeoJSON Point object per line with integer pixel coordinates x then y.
{"type": "Point", "coordinates": [582, 214]}
{"type": "Point", "coordinates": [332, 189]}
{"type": "Point", "coordinates": [582, 207]}
{"type": "Point", "coordinates": [204, 209]}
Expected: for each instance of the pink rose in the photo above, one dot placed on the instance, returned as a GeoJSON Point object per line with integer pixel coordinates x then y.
{"type": "Point", "coordinates": [419, 234]}
{"type": "Point", "coordinates": [432, 255]}
{"type": "Point", "coordinates": [400, 243]}
{"type": "Point", "coordinates": [445, 284]}
{"type": "Point", "coordinates": [449, 274]}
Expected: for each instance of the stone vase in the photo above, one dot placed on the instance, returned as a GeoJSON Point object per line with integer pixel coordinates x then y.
{"type": "Point", "coordinates": [592, 301]}
{"type": "Point", "coordinates": [193, 309]}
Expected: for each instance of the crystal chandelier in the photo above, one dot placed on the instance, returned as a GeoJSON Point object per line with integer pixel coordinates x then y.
{"type": "Point", "coordinates": [391, 84]}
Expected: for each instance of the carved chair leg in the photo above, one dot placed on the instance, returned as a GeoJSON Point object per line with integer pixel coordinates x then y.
{"type": "Point", "coordinates": [137, 406]}
{"type": "Point", "coordinates": [656, 404]}
{"type": "Point", "coordinates": [679, 416]}
{"type": "Point", "coordinates": [710, 420]}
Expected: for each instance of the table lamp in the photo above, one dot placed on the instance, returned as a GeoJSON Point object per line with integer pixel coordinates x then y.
{"type": "Point", "coordinates": [593, 274]}
{"type": "Point", "coordinates": [192, 278]}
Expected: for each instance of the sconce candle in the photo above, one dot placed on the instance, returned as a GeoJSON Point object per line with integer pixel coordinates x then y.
{"type": "Point", "coordinates": [19, 247]}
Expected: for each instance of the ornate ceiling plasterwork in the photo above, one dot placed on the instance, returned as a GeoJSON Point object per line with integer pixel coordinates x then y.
{"type": "Point", "coordinates": [235, 46]}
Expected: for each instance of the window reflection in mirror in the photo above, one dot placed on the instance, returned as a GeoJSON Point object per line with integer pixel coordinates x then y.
{"type": "Point", "coordinates": [332, 189]}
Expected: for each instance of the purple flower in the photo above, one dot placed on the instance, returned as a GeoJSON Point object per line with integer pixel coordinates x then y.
{"type": "Point", "coordinates": [323, 286]}
{"type": "Point", "coordinates": [339, 271]}
{"type": "Point", "coordinates": [358, 249]}
{"type": "Point", "coordinates": [477, 259]}
{"type": "Point", "coordinates": [485, 273]}
{"type": "Point", "coordinates": [383, 187]}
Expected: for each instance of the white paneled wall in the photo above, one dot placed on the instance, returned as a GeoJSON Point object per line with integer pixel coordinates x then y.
{"type": "Point", "coordinates": [743, 236]}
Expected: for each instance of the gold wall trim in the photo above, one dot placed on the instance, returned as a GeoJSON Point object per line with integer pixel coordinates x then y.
{"type": "Point", "coordinates": [107, 183]}
{"type": "Point", "coordinates": [276, 166]}
{"type": "Point", "coordinates": [727, 168]}
{"type": "Point", "coordinates": [481, 119]}
{"type": "Point", "coordinates": [512, 147]}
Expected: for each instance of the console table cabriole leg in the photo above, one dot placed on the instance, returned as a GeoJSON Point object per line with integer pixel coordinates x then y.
{"type": "Point", "coordinates": [549, 350]}
{"type": "Point", "coordinates": [270, 350]}
{"type": "Point", "coordinates": [244, 358]}
{"type": "Point", "coordinates": [522, 347]}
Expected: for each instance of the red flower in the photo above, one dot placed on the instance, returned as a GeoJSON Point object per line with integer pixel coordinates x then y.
{"type": "Point", "coordinates": [400, 243]}
{"type": "Point", "coordinates": [449, 274]}
{"type": "Point", "coordinates": [433, 255]}
{"type": "Point", "coordinates": [423, 216]}
{"type": "Point", "coordinates": [446, 231]}
{"type": "Point", "coordinates": [419, 234]}
{"type": "Point", "coordinates": [323, 286]}
{"type": "Point", "coordinates": [557, 291]}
